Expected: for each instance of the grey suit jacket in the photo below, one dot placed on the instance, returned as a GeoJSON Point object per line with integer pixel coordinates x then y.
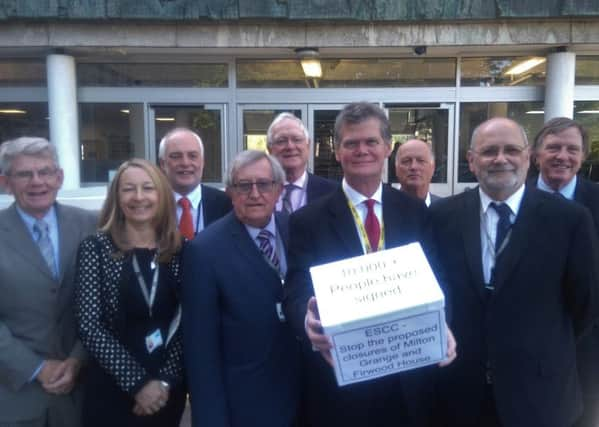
{"type": "Point", "coordinates": [36, 310]}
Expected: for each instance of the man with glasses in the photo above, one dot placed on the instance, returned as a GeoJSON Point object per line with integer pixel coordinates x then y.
{"type": "Point", "coordinates": [40, 353]}
{"type": "Point", "coordinates": [242, 360]}
{"type": "Point", "coordinates": [361, 216]}
{"type": "Point", "coordinates": [521, 265]}
{"type": "Point", "coordinates": [181, 156]}
{"type": "Point", "coordinates": [287, 140]}
{"type": "Point", "coordinates": [559, 149]}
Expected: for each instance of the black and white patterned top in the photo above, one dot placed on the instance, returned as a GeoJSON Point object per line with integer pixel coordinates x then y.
{"type": "Point", "coordinates": [99, 307]}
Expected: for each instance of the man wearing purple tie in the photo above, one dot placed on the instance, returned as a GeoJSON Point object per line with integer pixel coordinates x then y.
{"type": "Point", "coordinates": [288, 141]}
{"type": "Point", "coordinates": [241, 358]}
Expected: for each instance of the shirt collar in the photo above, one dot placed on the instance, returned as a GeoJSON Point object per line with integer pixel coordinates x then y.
{"type": "Point", "coordinates": [195, 197]}
{"type": "Point", "coordinates": [356, 197]}
{"type": "Point", "coordinates": [271, 226]}
{"type": "Point", "coordinates": [49, 218]}
{"type": "Point", "coordinates": [300, 182]}
{"type": "Point", "coordinates": [427, 200]}
{"type": "Point", "coordinates": [567, 190]}
{"type": "Point", "coordinates": [513, 201]}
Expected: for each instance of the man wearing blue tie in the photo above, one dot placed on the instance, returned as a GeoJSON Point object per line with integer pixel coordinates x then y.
{"type": "Point", "coordinates": [40, 353]}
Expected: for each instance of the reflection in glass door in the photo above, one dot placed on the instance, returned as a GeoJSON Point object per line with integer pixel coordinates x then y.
{"type": "Point", "coordinates": [433, 124]}
{"type": "Point", "coordinates": [205, 120]}
{"type": "Point", "coordinates": [323, 131]}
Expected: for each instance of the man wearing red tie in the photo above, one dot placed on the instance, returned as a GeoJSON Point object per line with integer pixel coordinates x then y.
{"type": "Point", "coordinates": [362, 216]}
{"type": "Point", "coordinates": [181, 155]}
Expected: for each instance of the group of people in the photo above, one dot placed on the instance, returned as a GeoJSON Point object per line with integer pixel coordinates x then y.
{"type": "Point", "coordinates": [179, 288]}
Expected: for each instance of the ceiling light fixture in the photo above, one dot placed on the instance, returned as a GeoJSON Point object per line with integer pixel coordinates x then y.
{"type": "Point", "coordinates": [12, 111]}
{"type": "Point", "coordinates": [308, 57]}
{"type": "Point", "coordinates": [525, 66]}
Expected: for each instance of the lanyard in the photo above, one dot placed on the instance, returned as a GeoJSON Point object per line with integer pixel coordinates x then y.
{"type": "Point", "coordinates": [362, 229]}
{"type": "Point", "coordinates": [142, 284]}
{"type": "Point", "coordinates": [491, 246]}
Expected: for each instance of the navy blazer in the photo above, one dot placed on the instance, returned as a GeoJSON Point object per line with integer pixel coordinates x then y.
{"type": "Point", "coordinates": [318, 187]}
{"type": "Point", "coordinates": [215, 204]}
{"type": "Point", "coordinates": [523, 335]}
{"type": "Point", "coordinates": [242, 361]}
{"type": "Point", "coordinates": [324, 231]}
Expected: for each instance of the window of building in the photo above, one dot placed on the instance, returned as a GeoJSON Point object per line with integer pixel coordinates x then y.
{"type": "Point", "coordinates": [22, 73]}
{"type": "Point", "coordinates": [348, 73]}
{"type": "Point", "coordinates": [587, 70]}
{"type": "Point", "coordinates": [109, 135]}
{"type": "Point", "coordinates": [528, 114]}
{"type": "Point", "coordinates": [23, 119]}
{"type": "Point", "coordinates": [587, 114]}
{"type": "Point", "coordinates": [517, 71]}
{"type": "Point", "coordinates": [153, 75]}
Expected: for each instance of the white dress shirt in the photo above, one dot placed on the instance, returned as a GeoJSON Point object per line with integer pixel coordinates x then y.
{"type": "Point", "coordinates": [357, 200]}
{"type": "Point", "coordinates": [488, 226]}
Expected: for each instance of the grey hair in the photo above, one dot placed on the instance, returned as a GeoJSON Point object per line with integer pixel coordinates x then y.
{"type": "Point", "coordinates": [165, 139]}
{"type": "Point", "coordinates": [477, 131]}
{"type": "Point", "coordinates": [25, 146]}
{"type": "Point", "coordinates": [249, 157]}
{"type": "Point", "coordinates": [279, 118]}
{"type": "Point", "coordinates": [358, 112]}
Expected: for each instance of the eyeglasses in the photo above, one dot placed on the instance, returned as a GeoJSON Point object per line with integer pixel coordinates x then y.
{"type": "Point", "coordinates": [283, 142]}
{"type": "Point", "coordinates": [491, 152]}
{"type": "Point", "coordinates": [245, 187]}
{"type": "Point", "coordinates": [44, 174]}
{"type": "Point", "coordinates": [353, 144]}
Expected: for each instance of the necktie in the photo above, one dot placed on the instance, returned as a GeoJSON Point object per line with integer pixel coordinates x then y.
{"type": "Point", "coordinates": [503, 225]}
{"type": "Point", "coordinates": [45, 244]}
{"type": "Point", "coordinates": [266, 247]}
{"type": "Point", "coordinates": [372, 226]}
{"type": "Point", "coordinates": [287, 205]}
{"type": "Point", "coordinates": [186, 221]}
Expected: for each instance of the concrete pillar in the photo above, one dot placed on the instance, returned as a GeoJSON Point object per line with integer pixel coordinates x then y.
{"type": "Point", "coordinates": [559, 85]}
{"type": "Point", "coordinates": [64, 123]}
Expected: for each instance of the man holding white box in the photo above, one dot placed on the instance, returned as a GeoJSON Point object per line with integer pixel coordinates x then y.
{"type": "Point", "coordinates": [362, 216]}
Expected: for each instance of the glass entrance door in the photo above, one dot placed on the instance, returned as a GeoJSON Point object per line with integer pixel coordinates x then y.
{"type": "Point", "coordinates": [433, 124]}
{"type": "Point", "coordinates": [206, 120]}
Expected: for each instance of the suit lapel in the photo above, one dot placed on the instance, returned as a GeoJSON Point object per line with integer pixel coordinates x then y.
{"type": "Point", "coordinates": [470, 224]}
{"type": "Point", "coordinates": [250, 251]}
{"type": "Point", "coordinates": [521, 230]}
{"type": "Point", "coordinates": [18, 237]}
{"type": "Point", "coordinates": [342, 223]}
{"type": "Point", "coordinates": [68, 238]}
{"type": "Point", "coordinates": [392, 219]}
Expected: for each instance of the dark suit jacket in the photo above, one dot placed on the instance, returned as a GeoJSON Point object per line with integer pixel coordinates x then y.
{"type": "Point", "coordinates": [318, 187]}
{"type": "Point", "coordinates": [242, 361]}
{"type": "Point", "coordinates": [324, 231]}
{"type": "Point", "coordinates": [215, 204]}
{"type": "Point", "coordinates": [524, 334]}
{"type": "Point", "coordinates": [36, 310]}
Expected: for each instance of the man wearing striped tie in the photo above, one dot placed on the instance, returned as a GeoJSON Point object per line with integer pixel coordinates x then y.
{"type": "Point", "coordinates": [181, 156]}
{"type": "Point", "coordinates": [40, 352]}
{"type": "Point", "coordinates": [287, 139]}
{"type": "Point", "coordinates": [241, 358]}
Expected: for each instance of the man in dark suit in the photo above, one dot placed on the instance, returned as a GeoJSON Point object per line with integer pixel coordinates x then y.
{"type": "Point", "coordinates": [559, 149]}
{"type": "Point", "coordinates": [334, 228]}
{"type": "Point", "coordinates": [242, 360]}
{"type": "Point", "coordinates": [288, 140]}
{"type": "Point", "coordinates": [40, 353]}
{"type": "Point", "coordinates": [414, 168]}
{"type": "Point", "coordinates": [522, 267]}
{"type": "Point", "coordinates": [181, 156]}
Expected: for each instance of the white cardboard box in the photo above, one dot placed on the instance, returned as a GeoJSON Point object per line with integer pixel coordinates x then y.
{"type": "Point", "coordinates": [384, 311]}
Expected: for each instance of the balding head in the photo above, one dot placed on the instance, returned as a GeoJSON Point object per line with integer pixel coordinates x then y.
{"type": "Point", "coordinates": [414, 167]}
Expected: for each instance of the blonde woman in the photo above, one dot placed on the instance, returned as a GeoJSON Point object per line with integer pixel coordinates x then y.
{"type": "Point", "coordinates": [127, 304]}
